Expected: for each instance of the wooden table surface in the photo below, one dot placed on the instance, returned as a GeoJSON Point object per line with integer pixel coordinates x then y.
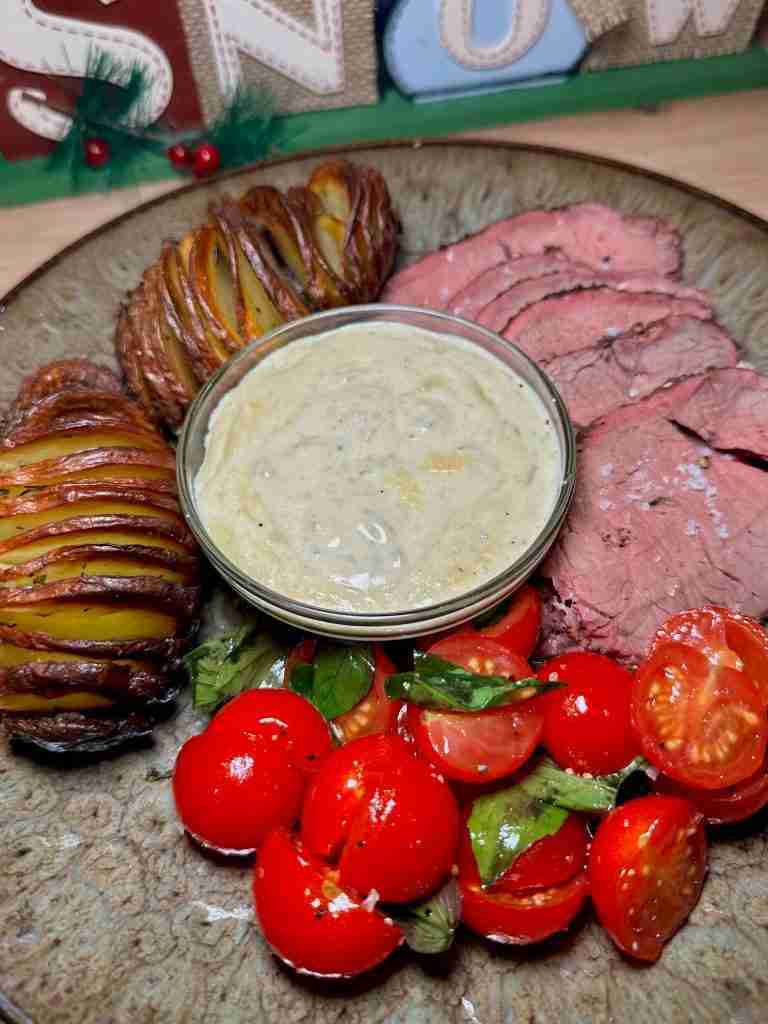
{"type": "Point", "coordinates": [718, 144]}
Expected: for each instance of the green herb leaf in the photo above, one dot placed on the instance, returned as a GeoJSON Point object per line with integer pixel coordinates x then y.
{"type": "Point", "coordinates": [429, 927]}
{"type": "Point", "coordinates": [594, 795]}
{"type": "Point", "coordinates": [340, 676]}
{"type": "Point", "coordinates": [504, 824]}
{"type": "Point", "coordinates": [230, 664]}
{"type": "Point", "coordinates": [436, 683]}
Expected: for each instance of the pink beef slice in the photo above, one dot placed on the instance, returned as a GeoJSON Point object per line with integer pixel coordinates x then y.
{"type": "Point", "coordinates": [730, 411]}
{"type": "Point", "coordinates": [590, 233]}
{"type": "Point", "coordinates": [499, 314]}
{"type": "Point", "coordinates": [493, 282]}
{"type": "Point", "coordinates": [580, 320]}
{"type": "Point", "coordinates": [595, 381]}
{"type": "Point", "coordinates": [661, 522]}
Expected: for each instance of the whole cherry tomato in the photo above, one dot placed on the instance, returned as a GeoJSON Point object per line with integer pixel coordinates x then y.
{"type": "Point", "coordinates": [232, 789]}
{"type": "Point", "coordinates": [285, 718]}
{"type": "Point", "coordinates": [516, 625]}
{"type": "Point", "coordinates": [384, 818]}
{"type": "Point", "coordinates": [646, 868]}
{"type": "Point", "coordinates": [587, 723]}
{"type": "Point", "coordinates": [309, 921]}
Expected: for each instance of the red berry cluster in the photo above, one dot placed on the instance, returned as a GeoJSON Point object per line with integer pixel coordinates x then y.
{"type": "Point", "coordinates": [202, 160]}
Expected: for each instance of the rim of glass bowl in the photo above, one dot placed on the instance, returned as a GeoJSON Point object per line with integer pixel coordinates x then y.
{"type": "Point", "coordinates": [317, 323]}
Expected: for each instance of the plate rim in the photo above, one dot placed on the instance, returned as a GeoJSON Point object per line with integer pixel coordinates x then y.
{"type": "Point", "coordinates": [432, 142]}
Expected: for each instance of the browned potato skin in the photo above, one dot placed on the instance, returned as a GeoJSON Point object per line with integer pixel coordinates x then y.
{"type": "Point", "coordinates": [331, 243]}
{"type": "Point", "coordinates": [110, 697]}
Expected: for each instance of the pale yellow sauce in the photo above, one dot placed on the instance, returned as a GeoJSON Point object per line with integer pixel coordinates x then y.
{"type": "Point", "coordinates": [378, 467]}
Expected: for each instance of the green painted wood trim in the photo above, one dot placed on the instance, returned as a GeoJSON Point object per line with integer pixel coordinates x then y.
{"type": "Point", "coordinates": [397, 117]}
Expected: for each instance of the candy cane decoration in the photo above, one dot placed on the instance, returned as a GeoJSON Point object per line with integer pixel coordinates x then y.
{"type": "Point", "coordinates": [32, 40]}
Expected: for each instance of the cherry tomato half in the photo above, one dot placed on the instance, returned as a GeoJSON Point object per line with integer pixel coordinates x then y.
{"type": "Point", "coordinates": [646, 868]}
{"type": "Point", "coordinates": [484, 745]}
{"type": "Point", "coordinates": [517, 917]}
{"type": "Point", "coordinates": [516, 626]}
{"type": "Point", "coordinates": [551, 861]}
{"type": "Point", "coordinates": [698, 720]}
{"type": "Point", "coordinates": [714, 628]}
{"type": "Point", "coordinates": [231, 789]}
{"type": "Point", "coordinates": [723, 806]}
{"type": "Point", "coordinates": [385, 818]}
{"type": "Point", "coordinates": [375, 712]}
{"type": "Point", "coordinates": [587, 723]}
{"type": "Point", "coordinates": [281, 716]}
{"type": "Point", "coordinates": [311, 923]}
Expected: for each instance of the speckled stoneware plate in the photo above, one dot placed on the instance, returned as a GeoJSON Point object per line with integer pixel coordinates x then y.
{"type": "Point", "coordinates": [109, 916]}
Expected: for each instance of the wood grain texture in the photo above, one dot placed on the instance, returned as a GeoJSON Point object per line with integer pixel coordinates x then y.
{"type": "Point", "coordinates": [717, 144]}
{"type": "Point", "coordinates": [110, 915]}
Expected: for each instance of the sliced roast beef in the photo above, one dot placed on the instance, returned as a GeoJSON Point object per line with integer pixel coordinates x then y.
{"type": "Point", "coordinates": [580, 320]}
{"type": "Point", "coordinates": [730, 411]}
{"type": "Point", "coordinates": [493, 282]}
{"type": "Point", "coordinates": [595, 381]}
{"type": "Point", "coordinates": [588, 233]}
{"type": "Point", "coordinates": [499, 314]}
{"type": "Point", "coordinates": [660, 522]}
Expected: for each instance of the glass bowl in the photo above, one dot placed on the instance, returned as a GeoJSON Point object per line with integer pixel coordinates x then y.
{"type": "Point", "coordinates": [389, 625]}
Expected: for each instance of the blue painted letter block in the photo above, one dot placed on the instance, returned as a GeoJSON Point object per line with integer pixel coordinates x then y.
{"type": "Point", "coordinates": [434, 47]}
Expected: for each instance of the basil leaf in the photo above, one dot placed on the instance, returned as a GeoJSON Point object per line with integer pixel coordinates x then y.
{"type": "Point", "coordinates": [577, 792]}
{"type": "Point", "coordinates": [504, 824]}
{"type": "Point", "coordinates": [339, 678]}
{"type": "Point", "coordinates": [429, 927]}
{"type": "Point", "coordinates": [228, 665]}
{"type": "Point", "coordinates": [436, 683]}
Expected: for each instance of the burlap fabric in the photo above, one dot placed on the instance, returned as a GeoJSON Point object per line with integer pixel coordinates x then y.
{"type": "Point", "coordinates": [600, 16]}
{"type": "Point", "coordinates": [631, 43]}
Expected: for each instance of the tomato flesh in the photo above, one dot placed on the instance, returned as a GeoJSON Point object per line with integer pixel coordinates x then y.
{"type": "Point", "coordinates": [587, 723]}
{"type": "Point", "coordinates": [517, 626]}
{"type": "Point", "coordinates": [713, 628]}
{"type": "Point", "coordinates": [285, 718]}
{"type": "Point", "coordinates": [517, 917]}
{"type": "Point", "coordinates": [376, 712]}
{"type": "Point", "coordinates": [479, 654]}
{"type": "Point", "coordinates": [383, 817]}
{"type": "Point", "coordinates": [311, 923]}
{"type": "Point", "coordinates": [698, 720]}
{"type": "Point", "coordinates": [549, 862]}
{"type": "Point", "coordinates": [723, 806]}
{"type": "Point", "coordinates": [232, 789]}
{"type": "Point", "coordinates": [646, 868]}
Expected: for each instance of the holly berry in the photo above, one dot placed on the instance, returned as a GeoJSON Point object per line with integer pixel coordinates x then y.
{"type": "Point", "coordinates": [205, 159]}
{"type": "Point", "coordinates": [96, 152]}
{"type": "Point", "coordinates": [179, 155]}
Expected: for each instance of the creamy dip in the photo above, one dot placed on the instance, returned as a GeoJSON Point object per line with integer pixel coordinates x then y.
{"type": "Point", "coordinates": [378, 467]}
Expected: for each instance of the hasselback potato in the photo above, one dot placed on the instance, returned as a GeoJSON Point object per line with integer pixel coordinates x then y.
{"type": "Point", "coordinates": [99, 589]}
{"type": "Point", "coordinates": [258, 262]}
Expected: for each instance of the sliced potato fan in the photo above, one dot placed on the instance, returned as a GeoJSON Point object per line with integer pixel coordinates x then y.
{"type": "Point", "coordinates": [257, 263]}
{"type": "Point", "coordinates": [99, 590]}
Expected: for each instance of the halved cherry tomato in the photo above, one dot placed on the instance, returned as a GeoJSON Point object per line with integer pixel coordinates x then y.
{"type": "Point", "coordinates": [483, 745]}
{"type": "Point", "coordinates": [518, 917]}
{"type": "Point", "coordinates": [480, 746]}
{"type": "Point", "coordinates": [723, 806]}
{"type": "Point", "coordinates": [232, 789]}
{"type": "Point", "coordinates": [375, 712]}
{"type": "Point", "coordinates": [699, 721]}
{"type": "Point", "coordinates": [587, 724]}
{"type": "Point", "coordinates": [312, 924]}
{"type": "Point", "coordinates": [714, 627]}
{"type": "Point", "coordinates": [646, 868]}
{"type": "Point", "coordinates": [516, 625]}
{"type": "Point", "coordinates": [386, 819]}
{"type": "Point", "coordinates": [285, 718]}
{"type": "Point", "coordinates": [479, 654]}
{"type": "Point", "coordinates": [551, 861]}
